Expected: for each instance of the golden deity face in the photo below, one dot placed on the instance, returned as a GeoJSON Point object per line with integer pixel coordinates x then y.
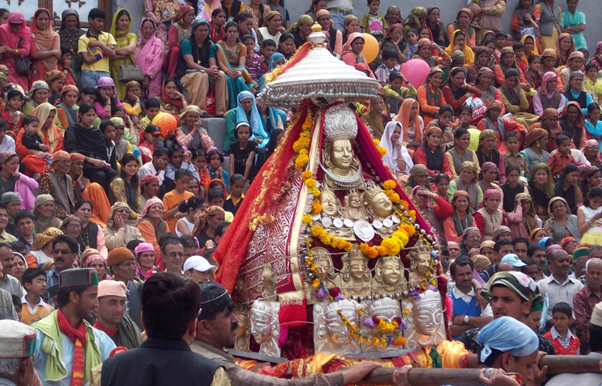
{"type": "Point", "coordinates": [329, 203]}
{"type": "Point", "coordinates": [322, 262]}
{"type": "Point", "coordinates": [390, 272]}
{"type": "Point", "coordinates": [355, 200]}
{"type": "Point", "coordinates": [341, 154]}
{"type": "Point", "coordinates": [381, 205]}
{"type": "Point", "coordinates": [423, 263]}
{"type": "Point", "coordinates": [357, 269]}
{"type": "Point", "coordinates": [428, 313]}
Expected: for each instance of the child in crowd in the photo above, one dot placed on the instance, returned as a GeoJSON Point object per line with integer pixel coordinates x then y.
{"type": "Point", "coordinates": [34, 281]}
{"type": "Point", "coordinates": [176, 162]}
{"type": "Point", "coordinates": [512, 155]}
{"type": "Point", "coordinates": [562, 157]}
{"type": "Point", "coordinates": [96, 57]}
{"type": "Point", "coordinates": [64, 65]}
{"type": "Point", "coordinates": [216, 171]}
{"type": "Point", "coordinates": [153, 108]}
{"type": "Point", "coordinates": [390, 64]}
{"type": "Point", "coordinates": [501, 40]}
{"type": "Point", "coordinates": [192, 208]}
{"type": "Point", "coordinates": [31, 140]}
{"type": "Point", "coordinates": [173, 198]}
{"type": "Point", "coordinates": [533, 73]}
{"type": "Point", "coordinates": [519, 53]}
{"type": "Point", "coordinates": [592, 82]}
{"type": "Point", "coordinates": [199, 160]}
{"type": "Point", "coordinates": [395, 93]}
{"type": "Point", "coordinates": [24, 222]}
{"type": "Point", "coordinates": [215, 197]}
{"type": "Point", "coordinates": [465, 118]}
{"type": "Point", "coordinates": [157, 165]}
{"type": "Point", "coordinates": [589, 216]}
{"type": "Point", "coordinates": [253, 62]}
{"type": "Point", "coordinates": [242, 152]}
{"type": "Point", "coordinates": [7, 143]}
{"type": "Point", "coordinates": [13, 115]}
{"type": "Point", "coordinates": [563, 340]}
{"type": "Point", "coordinates": [372, 22]}
{"type": "Point", "coordinates": [147, 147]}
{"type": "Point", "coordinates": [237, 186]}
{"type": "Point", "coordinates": [87, 95]}
{"type": "Point", "coordinates": [585, 53]}
{"type": "Point", "coordinates": [412, 38]}
{"type": "Point", "coordinates": [268, 48]}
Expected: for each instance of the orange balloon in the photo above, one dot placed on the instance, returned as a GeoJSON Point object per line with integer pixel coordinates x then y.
{"type": "Point", "coordinates": [370, 50]}
{"type": "Point", "coordinates": [166, 122]}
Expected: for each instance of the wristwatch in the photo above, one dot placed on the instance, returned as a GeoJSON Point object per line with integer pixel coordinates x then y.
{"type": "Point", "coordinates": [466, 319]}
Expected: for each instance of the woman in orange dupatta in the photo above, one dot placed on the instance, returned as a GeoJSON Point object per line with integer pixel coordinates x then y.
{"type": "Point", "coordinates": [45, 45]}
{"type": "Point", "coordinates": [91, 191]}
{"type": "Point", "coordinates": [412, 124]}
{"type": "Point", "coordinates": [51, 135]}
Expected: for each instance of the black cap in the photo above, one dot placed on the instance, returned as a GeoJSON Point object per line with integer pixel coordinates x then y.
{"type": "Point", "coordinates": [214, 298]}
{"type": "Point", "coordinates": [152, 129]}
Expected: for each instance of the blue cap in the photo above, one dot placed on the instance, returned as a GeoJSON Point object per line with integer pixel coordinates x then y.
{"type": "Point", "coordinates": [514, 260]}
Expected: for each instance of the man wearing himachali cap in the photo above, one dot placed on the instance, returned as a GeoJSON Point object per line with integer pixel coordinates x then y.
{"type": "Point", "coordinates": [67, 346]}
{"type": "Point", "coordinates": [512, 294]}
{"type": "Point", "coordinates": [17, 344]}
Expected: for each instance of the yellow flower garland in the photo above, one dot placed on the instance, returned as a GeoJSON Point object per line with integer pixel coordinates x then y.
{"type": "Point", "coordinates": [381, 150]}
{"type": "Point", "coordinates": [326, 239]}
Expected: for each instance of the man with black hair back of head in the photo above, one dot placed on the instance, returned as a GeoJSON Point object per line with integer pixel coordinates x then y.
{"type": "Point", "coordinates": [501, 249]}
{"type": "Point", "coordinates": [171, 305]}
{"type": "Point", "coordinates": [72, 347]}
{"type": "Point", "coordinates": [216, 330]}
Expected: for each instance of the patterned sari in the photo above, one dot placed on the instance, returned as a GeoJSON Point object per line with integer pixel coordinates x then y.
{"type": "Point", "coordinates": [230, 59]}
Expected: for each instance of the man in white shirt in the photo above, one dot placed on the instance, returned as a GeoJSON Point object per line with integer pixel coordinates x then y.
{"type": "Point", "coordinates": [157, 165]}
{"type": "Point", "coordinates": [559, 286]}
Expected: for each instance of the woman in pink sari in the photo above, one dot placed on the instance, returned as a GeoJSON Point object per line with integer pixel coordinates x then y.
{"type": "Point", "coordinates": [45, 45]}
{"type": "Point", "coordinates": [149, 56]}
{"type": "Point", "coordinates": [14, 40]}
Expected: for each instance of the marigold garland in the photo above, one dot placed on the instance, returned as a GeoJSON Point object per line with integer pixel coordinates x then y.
{"type": "Point", "coordinates": [326, 239]}
{"type": "Point", "coordinates": [381, 150]}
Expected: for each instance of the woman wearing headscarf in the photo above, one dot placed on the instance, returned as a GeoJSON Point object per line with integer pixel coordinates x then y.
{"type": "Point", "coordinates": [57, 182]}
{"type": "Point", "coordinates": [276, 60]}
{"type": "Point", "coordinates": [572, 121]}
{"type": "Point", "coordinates": [458, 43]}
{"type": "Point", "coordinates": [11, 180]}
{"type": "Point", "coordinates": [541, 189]}
{"type": "Point", "coordinates": [351, 25]}
{"type": "Point", "coordinates": [118, 233]}
{"type": "Point", "coordinates": [377, 116]}
{"type": "Point", "coordinates": [66, 110]}
{"type": "Point", "coordinates": [461, 220]}
{"type": "Point", "coordinates": [204, 229]}
{"type": "Point", "coordinates": [574, 92]}
{"type": "Point", "coordinates": [484, 82]}
{"type": "Point", "coordinates": [547, 95]}
{"type": "Point", "coordinates": [435, 25]}
{"type": "Point", "coordinates": [523, 219]}
{"type": "Point", "coordinates": [507, 61]}
{"type": "Point", "coordinates": [83, 189]}
{"type": "Point", "coordinates": [55, 80]}
{"type": "Point", "coordinates": [424, 51]}
{"type": "Point", "coordinates": [481, 60]}
{"type": "Point", "coordinates": [352, 51]}
{"type": "Point", "coordinates": [536, 143]}
{"type": "Point", "coordinates": [151, 224]}
{"type": "Point", "coordinates": [45, 45]}
{"type": "Point", "coordinates": [561, 222]}
{"type": "Point", "coordinates": [463, 22]}
{"type": "Point", "coordinates": [178, 31]}
{"type": "Point", "coordinates": [106, 98]}
{"type": "Point", "coordinates": [567, 187]}
{"type": "Point", "coordinates": [549, 18]}
{"type": "Point", "coordinates": [515, 100]}
{"type": "Point", "coordinates": [466, 181]}
{"type": "Point", "coordinates": [335, 41]}
{"type": "Point", "coordinates": [456, 91]}
{"type": "Point", "coordinates": [488, 175]}
{"type": "Point", "coordinates": [149, 55]}
{"type": "Point", "coordinates": [493, 120]}
{"type": "Point", "coordinates": [126, 43]}
{"type": "Point", "coordinates": [301, 29]}
{"type": "Point", "coordinates": [591, 151]}
{"type": "Point", "coordinates": [44, 213]}
{"type": "Point", "coordinates": [149, 187]}
{"type": "Point", "coordinates": [432, 214]}
{"type": "Point", "coordinates": [38, 94]}
{"type": "Point", "coordinates": [419, 176]}
{"type": "Point", "coordinates": [397, 158]}
{"type": "Point", "coordinates": [273, 28]}
{"type": "Point", "coordinates": [415, 18]}
{"type": "Point", "coordinates": [250, 116]}
{"type": "Point", "coordinates": [42, 248]}
{"type": "Point", "coordinates": [490, 216]}
{"type": "Point", "coordinates": [51, 135]}
{"type": "Point", "coordinates": [565, 46]}
{"type": "Point", "coordinates": [486, 152]}
{"type": "Point", "coordinates": [190, 134]}
{"type": "Point", "coordinates": [89, 141]}
{"type": "Point", "coordinates": [145, 259]}
{"type": "Point", "coordinates": [91, 258]}
{"type": "Point", "coordinates": [430, 96]}
{"type": "Point", "coordinates": [15, 39]}
{"type": "Point", "coordinates": [411, 122]}
{"type": "Point", "coordinates": [69, 34]}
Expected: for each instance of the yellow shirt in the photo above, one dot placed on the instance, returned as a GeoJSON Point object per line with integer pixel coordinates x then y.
{"type": "Point", "coordinates": [172, 200]}
{"type": "Point", "coordinates": [82, 46]}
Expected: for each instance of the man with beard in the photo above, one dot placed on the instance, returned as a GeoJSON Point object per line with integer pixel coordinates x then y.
{"type": "Point", "coordinates": [111, 315]}
{"type": "Point", "coordinates": [67, 346]}
{"type": "Point", "coordinates": [216, 330]}
{"type": "Point", "coordinates": [510, 294]}
{"type": "Point", "coordinates": [123, 267]}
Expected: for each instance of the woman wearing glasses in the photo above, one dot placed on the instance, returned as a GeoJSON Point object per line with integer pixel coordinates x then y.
{"type": "Point", "coordinates": [117, 232]}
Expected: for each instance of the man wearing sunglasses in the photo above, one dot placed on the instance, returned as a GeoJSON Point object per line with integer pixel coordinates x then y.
{"type": "Point", "coordinates": [64, 250]}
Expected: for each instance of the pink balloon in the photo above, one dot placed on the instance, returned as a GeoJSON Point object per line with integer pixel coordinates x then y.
{"type": "Point", "coordinates": [415, 71]}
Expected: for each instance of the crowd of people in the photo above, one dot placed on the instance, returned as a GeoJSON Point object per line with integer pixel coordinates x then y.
{"type": "Point", "coordinates": [104, 208]}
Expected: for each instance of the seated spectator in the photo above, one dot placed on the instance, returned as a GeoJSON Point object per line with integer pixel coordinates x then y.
{"type": "Point", "coordinates": [151, 224]}
{"type": "Point", "coordinates": [91, 258]}
{"type": "Point", "coordinates": [83, 189]}
{"type": "Point", "coordinates": [398, 159]}
{"type": "Point", "coordinates": [126, 187]}
{"type": "Point", "coordinates": [466, 181]}
{"type": "Point", "coordinates": [515, 100]}
{"type": "Point", "coordinates": [118, 233]}
{"type": "Point", "coordinates": [486, 152]}
{"type": "Point", "coordinates": [106, 98]}
{"type": "Point", "coordinates": [490, 217]}
{"type": "Point", "coordinates": [57, 183]}
{"type": "Point", "coordinates": [432, 154]}
{"type": "Point", "coordinates": [11, 180]}
{"type": "Point", "coordinates": [245, 111]}
{"type": "Point", "coordinates": [38, 94]}
{"type": "Point", "coordinates": [55, 80]}
{"type": "Point", "coordinates": [196, 64]}
{"type": "Point", "coordinates": [461, 220]}
{"type": "Point", "coordinates": [377, 116]}
{"type": "Point", "coordinates": [67, 108]}
{"type": "Point", "coordinates": [206, 224]}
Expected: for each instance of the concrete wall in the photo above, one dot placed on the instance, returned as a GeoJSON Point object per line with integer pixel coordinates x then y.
{"type": "Point", "coordinates": [449, 9]}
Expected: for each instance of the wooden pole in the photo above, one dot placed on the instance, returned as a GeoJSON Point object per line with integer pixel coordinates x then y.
{"type": "Point", "coordinates": [470, 377]}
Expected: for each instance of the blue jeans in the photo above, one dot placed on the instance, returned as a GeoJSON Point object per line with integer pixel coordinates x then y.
{"type": "Point", "coordinates": [338, 19]}
{"type": "Point", "coordinates": [90, 78]}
